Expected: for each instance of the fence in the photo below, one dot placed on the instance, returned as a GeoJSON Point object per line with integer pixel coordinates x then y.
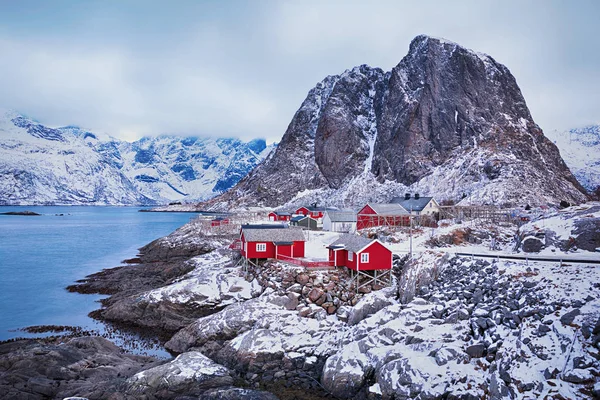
{"type": "Point", "coordinates": [305, 263]}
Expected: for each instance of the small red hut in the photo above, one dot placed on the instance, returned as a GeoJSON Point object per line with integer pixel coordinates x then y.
{"type": "Point", "coordinates": [314, 212]}
{"type": "Point", "coordinates": [279, 216]}
{"type": "Point", "coordinates": [360, 254]}
{"type": "Point", "coordinates": [390, 214]}
{"type": "Point", "coordinates": [219, 221]}
{"type": "Point", "coordinates": [257, 242]}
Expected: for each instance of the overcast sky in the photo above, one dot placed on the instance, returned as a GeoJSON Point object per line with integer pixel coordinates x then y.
{"type": "Point", "coordinates": [242, 69]}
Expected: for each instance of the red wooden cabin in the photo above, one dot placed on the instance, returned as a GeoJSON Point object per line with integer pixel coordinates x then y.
{"type": "Point", "coordinates": [314, 212]}
{"type": "Point", "coordinates": [219, 221]}
{"type": "Point", "coordinates": [390, 214]}
{"type": "Point", "coordinates": [272, 242]}
{"type": "Point", "coordinates": [360, 254]}
{"type": "Point", "coordinates": [279, 216]}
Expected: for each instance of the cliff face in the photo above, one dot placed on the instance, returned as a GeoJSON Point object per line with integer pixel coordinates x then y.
{"type": "Point", "coordinates": [446, 121]}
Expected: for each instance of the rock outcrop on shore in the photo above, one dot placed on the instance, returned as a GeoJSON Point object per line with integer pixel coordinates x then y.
{"type": "Point", "coordinates": [91, 367]}
{"type": "Point", "coordinates": [158, 264]}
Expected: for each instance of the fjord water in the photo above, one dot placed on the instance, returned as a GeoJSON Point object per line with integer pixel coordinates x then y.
{"type": "Point", "coordinates": [40, 256]}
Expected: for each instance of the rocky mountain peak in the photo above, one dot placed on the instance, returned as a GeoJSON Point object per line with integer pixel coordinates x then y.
{"type": "Point", "coordinates": [437, 122]}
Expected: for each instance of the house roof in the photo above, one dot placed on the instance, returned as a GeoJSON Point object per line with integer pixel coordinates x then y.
{"type": "Point", "coordinates": [353, 243]}
{"type": "Point", "coordinates": [274, 235]}
{"type": "Point", "coordinates": [299, 218]}
{"type": "Point", "coordinates": [412, 203]}
{"type": "Point", "coordinates": [264, 226]}
{"type": "Point", "coordinates": [282, 213]}
{"type": "Point", "coordinates": [341, 216]}
{"type": "Point", "coordinates": [388, 209]}
{"type": "Point", "coordinates": [220, 219]}
{"type": "Point", "coordinates": [315, 209]}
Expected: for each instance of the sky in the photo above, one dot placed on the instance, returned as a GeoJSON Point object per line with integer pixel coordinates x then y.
{"type": "Point", "coordinates": [242, 68]}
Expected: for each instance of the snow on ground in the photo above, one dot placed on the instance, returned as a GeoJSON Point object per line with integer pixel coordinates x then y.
{"type": "Point", "coordinates": [181, 374]}
{"type": "Point", "coordinates": [470, 327]}
{"type": "Point", "coordinates": [214, 282]}
{"type": "Point", "coordinates": [423, 347]}
{"type": "Point", "coordinates": [316, 244]}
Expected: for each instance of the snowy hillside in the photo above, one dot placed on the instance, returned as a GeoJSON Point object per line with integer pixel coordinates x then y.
{"type": "Point", "coordinates": [580, 148]}
{"type": "Point", "coordinates": [69, 165]}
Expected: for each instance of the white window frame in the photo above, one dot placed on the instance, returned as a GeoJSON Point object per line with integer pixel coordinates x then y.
{"type": "Point", "coordinates": [364, 258]}
{"type": "Point", "coordinates": [261, 247]}
{"type": "Point", "coordinates": [350, 256]}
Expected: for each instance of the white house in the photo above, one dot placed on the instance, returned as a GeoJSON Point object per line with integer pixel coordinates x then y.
{"type": "Point", "coordinates": [418, 205]}
{"type": "Point", "coordinates": [339, 221]}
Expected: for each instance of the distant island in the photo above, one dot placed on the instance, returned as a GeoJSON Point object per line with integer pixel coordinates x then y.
{"type": "Point", "coordinates": [27, 213]}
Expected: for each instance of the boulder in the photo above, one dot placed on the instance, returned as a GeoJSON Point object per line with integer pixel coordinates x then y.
{"type": "Point", "coordinates": [237, 394]}
{"type": "Point", "coordinates": [315, 294]}
{"type": "Point", "coordinates": [578, 376]}
{"type": "Point", "coordinates": [445, 354]}
{"type": "Point", "coordinates": [400, 379]}
{"type": "Point", "coordinates": [190, 373]}
{"type": "Point", "coordinates": [532, 245]}
{"type": "Point", "coordinates": [343, 377]}
{"type": "Point", "coordinates": [476, 350]}
{"type": "Point", "coordinates": [370, 304]}
{"type": "Point", "coordinates": [302, 279]}
{"type": "Point", "coordinates": [567, 319]}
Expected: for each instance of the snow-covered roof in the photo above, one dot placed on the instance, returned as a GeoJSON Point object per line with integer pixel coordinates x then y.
{"type": "Point", "coordinates": [342, 216]}
{"type": "Point", "coordinates": [412, 203]}
{"type": "Point", "coordinates": [388, 209]}
{"type": "Point", "coordinates": [299, 218]}
{"type": "Point", "coordinates": [353, 243]}
{"type": "Point", "coordinates": [316, 209]}
{"type": "Point", "coordinates": [274, 235]}
{"type": "Point", "coordinates": [264, 226]}
{"type": "Point", "coordinates": [282, 213]}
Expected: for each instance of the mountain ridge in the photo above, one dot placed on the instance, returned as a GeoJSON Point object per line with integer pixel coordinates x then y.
{"type": "Point", "coordinates": [580, 148]}
{"type": "Point", "coordinates": [72, 165]}
{"type": "Point", "coordinates": [446, 121]}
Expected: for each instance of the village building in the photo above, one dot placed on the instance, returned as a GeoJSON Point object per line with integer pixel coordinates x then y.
{"type": "Point", "coordinates": [389, 214]}
{"type": "Point", "coordinates": [418, 205]}
{"type": "Point", "coordinates": [279, 216]}
{"type": "Point", "coordinates": [304, 221]}
{"type": "Point", "coordinates": [314, 212]}
{"type": "Point", "coordinates": [359, 253]}
{"type": "Point", "coordinates": [339, 221]}
{"type": "Point", "coordinates": [219, 221]}
{"type": "Point", "coordinates": [271, 241]}
{"type": "Point", "coordinates": [369, 260]}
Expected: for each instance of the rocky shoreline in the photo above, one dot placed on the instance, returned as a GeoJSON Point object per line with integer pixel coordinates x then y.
{"type": "Point", "coordinates": [450, 327]}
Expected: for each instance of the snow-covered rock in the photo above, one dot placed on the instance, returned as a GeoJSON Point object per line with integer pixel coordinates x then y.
{"type": "Point", "coordinates": [575, 230]}
{"type": "Point", "coordinates": [212, 283]}
{"type": "Point", "coordinates": [190, 373]}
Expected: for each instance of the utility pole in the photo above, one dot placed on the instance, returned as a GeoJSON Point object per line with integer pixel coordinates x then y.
{"type": "Point", "coordinates": [410, 231]}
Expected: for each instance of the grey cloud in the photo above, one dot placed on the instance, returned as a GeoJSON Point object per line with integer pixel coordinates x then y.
{"type": "Point", "coordinates": [243, 68]}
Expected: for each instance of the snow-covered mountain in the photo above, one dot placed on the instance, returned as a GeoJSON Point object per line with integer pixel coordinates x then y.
{"type": "Point", "coordinates": [580, 148]}
{"type": "Point", "coordinates": [70, 165]}
{"type": "Point", "coordinates": [446, 121]}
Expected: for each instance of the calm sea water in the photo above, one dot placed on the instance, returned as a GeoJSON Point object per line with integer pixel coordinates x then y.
{"type": "Point", "coordinates": [40, 256]}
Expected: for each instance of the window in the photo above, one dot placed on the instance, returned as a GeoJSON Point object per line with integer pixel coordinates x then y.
{"type": "Point", "coordinates": [350, 256]}
{"type": "Point", "coordinates": [364, 258]}
{"type": "Point", "coordinates": [262, 247]}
